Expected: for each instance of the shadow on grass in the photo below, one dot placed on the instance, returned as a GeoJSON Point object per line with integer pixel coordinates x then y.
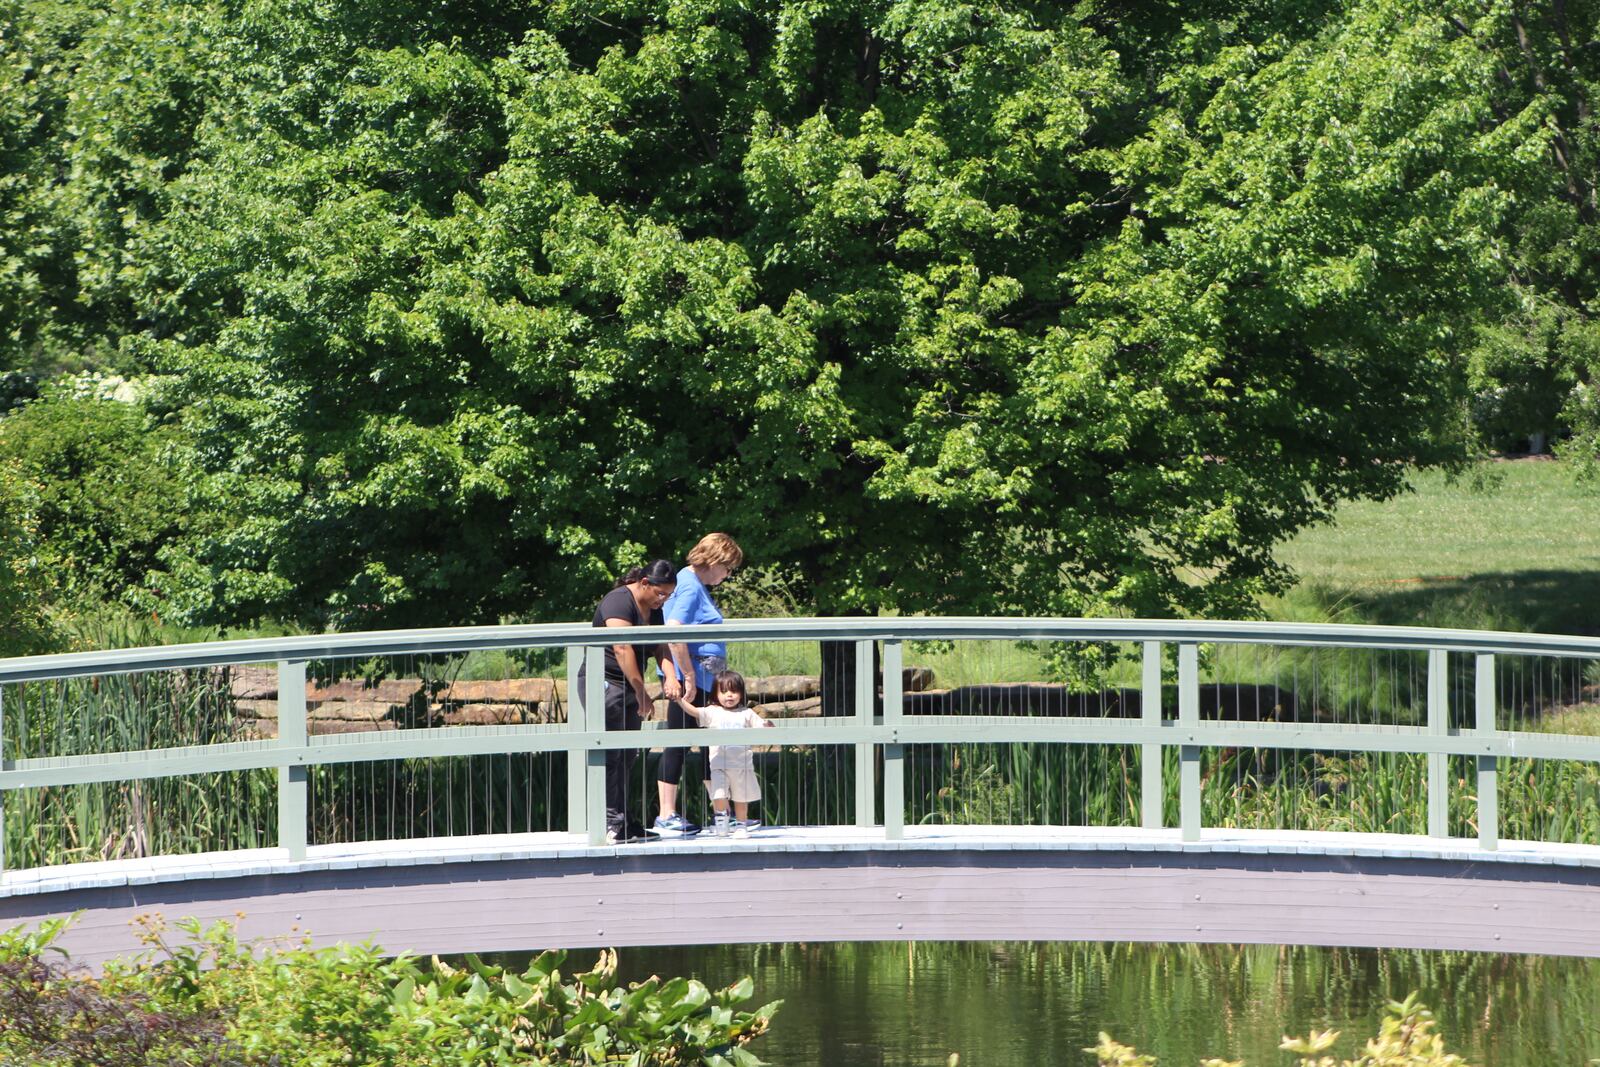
{"type": "Point", "coordinates": [1533, 601]}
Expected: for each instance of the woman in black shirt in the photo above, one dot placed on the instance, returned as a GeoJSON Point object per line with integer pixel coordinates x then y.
{"type": "Point", "coordinates": [635, 601]}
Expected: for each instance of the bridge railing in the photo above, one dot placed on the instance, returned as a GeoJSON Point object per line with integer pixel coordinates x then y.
{"type": "Point", "coordinates": [1181, 725]}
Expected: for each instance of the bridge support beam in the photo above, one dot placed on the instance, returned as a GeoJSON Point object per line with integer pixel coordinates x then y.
{"type": "Point", "coordinates": [293, 789]}
{"type": "Point", "coordinates": [594, 764]}
{"type": "Point", "coordinates": [577, 779]}
{"type": "Point", "coordinates": [1152, 790]}
{"type": "Point", "coordinates": [1189, 817]}
{"type": "Point", "coordinates": [1488, 766]}
{"type": "Point", "coordinates": [894, 754]}
{"type": "Point", "coordinates": [1439, 725]}
{"type": "Point", "coordinates": [866, 757]}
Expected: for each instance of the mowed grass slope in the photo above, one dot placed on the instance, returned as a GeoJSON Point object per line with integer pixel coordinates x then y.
{"type": "Point", "coordinates": [1510, 546]}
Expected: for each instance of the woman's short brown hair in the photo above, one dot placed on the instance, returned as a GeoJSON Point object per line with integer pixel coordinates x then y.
{"type": "Point", "coordinates": [715, 548]}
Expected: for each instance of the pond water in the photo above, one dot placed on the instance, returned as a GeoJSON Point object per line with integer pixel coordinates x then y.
{"type": "Point", "coordinates": [1031, 1004]}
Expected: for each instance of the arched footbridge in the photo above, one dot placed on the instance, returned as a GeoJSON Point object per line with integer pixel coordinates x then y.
{"type": "Point", "coordinates": [442, 791]}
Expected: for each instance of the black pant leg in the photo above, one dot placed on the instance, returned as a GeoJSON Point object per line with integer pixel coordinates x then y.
{"type": "Point", "coordinates": [622, 713]}
{"type": "Point", "coordinates": [670, 768]}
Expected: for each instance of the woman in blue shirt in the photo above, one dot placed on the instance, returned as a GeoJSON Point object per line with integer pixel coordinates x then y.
{"type": "Point", "coordinates": [696, 663]}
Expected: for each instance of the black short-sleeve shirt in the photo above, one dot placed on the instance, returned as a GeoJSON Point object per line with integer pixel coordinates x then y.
{"type": "Point", "coordinates": [619, 604]}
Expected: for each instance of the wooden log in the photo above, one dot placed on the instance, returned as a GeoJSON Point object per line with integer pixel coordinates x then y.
{"type": "Point", "coordinates": [1025, 699]}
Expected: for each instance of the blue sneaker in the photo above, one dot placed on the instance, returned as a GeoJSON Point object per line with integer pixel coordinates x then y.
{"type": "Point", "coordinates": [674, 826]}
{"type": "Point", "coordinates": [748, 824]}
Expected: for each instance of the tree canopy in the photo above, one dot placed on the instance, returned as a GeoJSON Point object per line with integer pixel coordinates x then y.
{"type": "Point", "coordinates": [960, 306]}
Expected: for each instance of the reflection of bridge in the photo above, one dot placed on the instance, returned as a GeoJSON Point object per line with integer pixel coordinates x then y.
{"type": "Point", "coordinates": [878, 878]}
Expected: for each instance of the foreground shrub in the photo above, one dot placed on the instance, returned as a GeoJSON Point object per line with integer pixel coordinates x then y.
{"type": "Point", "coordinates": [1406, 1038]}
{"type": "Point", "coordinates": [48, 1014]}
{"type": "Point", "coordinates": [251, 1003]}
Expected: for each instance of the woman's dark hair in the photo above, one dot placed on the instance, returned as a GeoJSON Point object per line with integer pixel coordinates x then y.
{"type": "Point", "coordinates": [732, 681]}
{"type": "Point", "coordinates": [661, 572]}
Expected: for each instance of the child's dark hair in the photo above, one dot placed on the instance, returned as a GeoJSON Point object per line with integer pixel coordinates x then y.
{"type": "Point", "coordinates": [732, 681]}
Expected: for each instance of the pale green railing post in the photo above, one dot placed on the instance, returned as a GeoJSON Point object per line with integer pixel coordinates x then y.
{"type": "Point", "coordinates": [292, 785]}
{"type": "Point", "coordinates": [1488, 765]}
{"type": "Point", "coordinates": [894, 753]}
{"type": "Point", "coordinates": [1438, 725]}
{"type": "Point", "coordinates": [594, 721]}
{"type": "Point", "coordinates": [866, 763]}
{"type": "Point", "coordinates": [1151, 787]}
{"type": "Point", "coordinates": [1189, 755]}
{"type": "Point", "coordinates": [577, 761]}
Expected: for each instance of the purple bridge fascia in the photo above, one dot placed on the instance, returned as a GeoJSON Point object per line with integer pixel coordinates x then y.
{"type": "Point", "coordinates": [529, 892]}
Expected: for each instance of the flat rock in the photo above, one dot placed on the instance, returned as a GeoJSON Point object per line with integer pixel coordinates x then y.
{"type": "Point", "coordinates": [809, 708]}
{"type": "Point", "coordinates": [782, 687]}
{"type": "Point", "coordinates": [356, 711]}
{"type": "Point", "coordinates": [390, 691]}
{"type": "Point", "coordinates": [252, 683]}
{"type": "Point", "coordinates": [256, 709]}
{"type": "Point", "coordinates": [488, 714]}
{"type": "Point", "coordinates": [342, 726]}
{"type": "Point", "coordinates": [505, 691]}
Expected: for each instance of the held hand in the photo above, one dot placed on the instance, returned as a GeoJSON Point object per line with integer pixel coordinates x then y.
{"type": "Point", "coordinates": [671, 688]}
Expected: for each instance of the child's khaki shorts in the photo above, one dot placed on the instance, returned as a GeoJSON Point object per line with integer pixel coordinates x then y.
{"type": "Point", "coordinates": [736, 782]}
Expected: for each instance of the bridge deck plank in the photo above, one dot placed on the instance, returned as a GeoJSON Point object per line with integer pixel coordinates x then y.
{"type": "Point", "coordinates": [553, 846]}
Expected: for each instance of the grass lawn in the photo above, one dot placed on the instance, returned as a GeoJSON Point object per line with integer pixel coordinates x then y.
{"type": "Point", "coordinates": [1515, 546]}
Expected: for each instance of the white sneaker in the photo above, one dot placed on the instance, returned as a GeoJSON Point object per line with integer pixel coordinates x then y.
{"type": "Point", "coordinates": [722, 825]}
{"type": "Point", "coordinates": [740, 829]}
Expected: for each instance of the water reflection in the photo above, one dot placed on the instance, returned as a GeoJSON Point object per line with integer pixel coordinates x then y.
{"type": "Point", "coordinates": [1036, 1003]}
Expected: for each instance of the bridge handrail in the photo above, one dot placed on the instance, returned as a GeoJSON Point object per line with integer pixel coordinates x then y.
{"type": "Point", "coordinates": [294, 750]}
{"type": "Point", "coordinates": [880, 628]}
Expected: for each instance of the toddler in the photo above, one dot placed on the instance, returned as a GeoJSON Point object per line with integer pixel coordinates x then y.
{"type": "Point", "coordinates": [733, 767]}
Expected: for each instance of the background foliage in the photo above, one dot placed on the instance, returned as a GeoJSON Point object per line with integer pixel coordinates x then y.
{"type": "Point", "coordinates": [992, 307]}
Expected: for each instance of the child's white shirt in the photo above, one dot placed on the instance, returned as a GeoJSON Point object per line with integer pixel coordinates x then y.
{"type": "Point", "coordinates": [718, 717]}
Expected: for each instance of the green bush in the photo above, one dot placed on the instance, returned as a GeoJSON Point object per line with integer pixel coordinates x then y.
{"type": "Point", "coordinates": [25, 581]}
{"type": "Point", "coordinates": [263, 1004]}
{"type": "Point", "coordinates": [108, 492]}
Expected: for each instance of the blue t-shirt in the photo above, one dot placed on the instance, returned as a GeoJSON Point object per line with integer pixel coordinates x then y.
{"type": "Point", "coordinates": [691, 604]}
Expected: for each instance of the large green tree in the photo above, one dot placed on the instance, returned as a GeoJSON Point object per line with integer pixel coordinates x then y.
{"type": "Point", "coordinates": [951, 306]}
{"type": "Point", "coordinates": [1535, 365]}
{"type": "Point", "coordinates": [969, 306]}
